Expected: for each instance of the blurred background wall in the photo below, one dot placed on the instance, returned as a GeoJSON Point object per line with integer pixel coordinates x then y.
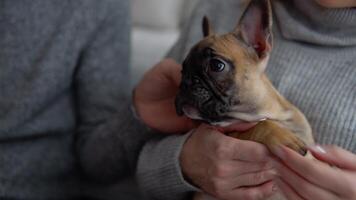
{"type": "Point", "coordinates": [156, 27]}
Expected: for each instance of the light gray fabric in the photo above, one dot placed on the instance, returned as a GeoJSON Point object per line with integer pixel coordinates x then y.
{"type": "Point", "coordinates": [66, 128]}
{"type": "Point", "coordinates": [313, 65]}
{"type": "Point", "coordinates": [316, 25]}
{"type": "Point", "coordinates": [159, 174]}
{"type": "Point", "coordinates": [159, 14]}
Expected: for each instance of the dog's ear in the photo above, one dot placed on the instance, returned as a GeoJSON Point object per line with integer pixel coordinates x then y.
{"type": "Point", "coordinates": [207, 28]}
{"type": "Point", "coordinates": [255, 27]}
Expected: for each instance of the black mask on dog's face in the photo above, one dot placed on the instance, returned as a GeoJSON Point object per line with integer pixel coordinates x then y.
{"type": "Point", "coordinates": [207, 88]}
{"type": "Point", "coordinates": [219, 69]}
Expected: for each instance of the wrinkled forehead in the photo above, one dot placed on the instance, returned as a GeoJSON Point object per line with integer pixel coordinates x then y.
{"type": "Point", "coordinates": [226, 46]}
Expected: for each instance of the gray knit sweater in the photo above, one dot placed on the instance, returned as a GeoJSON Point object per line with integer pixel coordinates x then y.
{"type": "Point", "coordinates": [313, 64]}
{"type": "Point", "coordinates": [65, 122]}
{"type": "Point", "coordinates": [66, 128]}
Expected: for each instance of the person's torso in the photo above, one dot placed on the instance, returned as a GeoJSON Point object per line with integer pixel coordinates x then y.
{"type": "Point", "coordinates": [321, 85]}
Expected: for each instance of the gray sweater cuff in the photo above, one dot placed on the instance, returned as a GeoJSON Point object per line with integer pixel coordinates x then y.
{"type": "Point", "coordinates": [158, 172]}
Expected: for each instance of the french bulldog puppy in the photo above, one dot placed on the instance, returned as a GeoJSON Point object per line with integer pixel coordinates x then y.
{"type": "Point", "coordinates": [223, 83]}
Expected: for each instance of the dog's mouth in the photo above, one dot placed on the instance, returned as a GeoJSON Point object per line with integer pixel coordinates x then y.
{"type": "Point", "coordinates": [238, 126]}
{"type": "Point", "coordinates": [202, 105]}
{"type": "Point", "coordinates": [195, 114]}
{"type": "Point", "coordinates": [191, 112]}
{"type": "Point", "coordinates": [225, 122]}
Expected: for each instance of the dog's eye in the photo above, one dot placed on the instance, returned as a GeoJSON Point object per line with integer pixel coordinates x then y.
{"type": "Point", "coordinates": [216, 65]}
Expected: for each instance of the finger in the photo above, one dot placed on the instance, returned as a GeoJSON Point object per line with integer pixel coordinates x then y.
{"type": "Point", "coordinates": [232, 174]}
{"type": "Point", "coordinates": [287, 191]}
{"type": "Point", "coordinates": [172, 70]}
{"type": "Point", "coordinates": [314, 171]}
{"type": "Point", "coordinates": [303, 187]}
{"type": "Point", "coordinates": [160, 82]}
{"type": "Point", "coordinates": [253, 179]}
{"type": "Point", "coordinates": [335, 156]}
{"type": "Point", "coordinates": [254, 193]}
{"type": "Point", "coordinates": [249, 151]}
{"type": "Point", "coordinates": [233, 169]}
{"type": "Point", "coordinates": [165, 118]}
{"type": "Point", "coordinates": [242, 167]}
{"type": "Point", "coordinates": [167, 70]}
{"type": "Point", "coordinates": [227, 148]}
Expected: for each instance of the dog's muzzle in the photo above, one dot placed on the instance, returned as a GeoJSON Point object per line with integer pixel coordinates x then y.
{"type": "Point", "coordinates": [198, 102]}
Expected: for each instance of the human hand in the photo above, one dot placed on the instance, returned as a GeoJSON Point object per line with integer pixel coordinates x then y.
{"type": "Point", "coordinates": [303, 178]}
{"type": "Point", "coordinates": [154, 98]}
{"type": "Point", "coordinates": [225, 167]}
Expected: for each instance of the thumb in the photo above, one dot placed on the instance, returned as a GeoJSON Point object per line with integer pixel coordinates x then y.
{"type": "Point", "coordinates": [335, 156]}
{"type": "Point", "coordinates": [172, 70]}
{"type": "Point", "coordinates": [159, 83]}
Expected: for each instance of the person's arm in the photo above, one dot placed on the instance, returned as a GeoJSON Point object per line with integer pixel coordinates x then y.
{"type": "Point", "coordinates": [159, 173]}
{"type": "Point", "coordinates": [108, 137]}
{"type": "Point", "coordinates": [221, 166]}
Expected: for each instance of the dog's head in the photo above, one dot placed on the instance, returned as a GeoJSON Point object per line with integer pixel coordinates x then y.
{"type": "Point", "coordinates": [222, 73]}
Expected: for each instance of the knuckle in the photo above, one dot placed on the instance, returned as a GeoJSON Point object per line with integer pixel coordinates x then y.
{"type": "Point", "coordinates": [257, 154]}
{"type": "Point", "coordinates": [221, 149]}
{"type": "Point", "coordinates": [220, 171]}
{"type": "Point", "coordinates": [260, 153]}
{"type": "Point", "coordinates": [263, 176]}
{"type": "Point", "coordinates": [217, 188]}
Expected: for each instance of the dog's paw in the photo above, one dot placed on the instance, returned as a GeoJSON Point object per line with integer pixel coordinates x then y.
{"type": "Point", "coordinates": [290, 140]}
{"type": "Point", "coordinates": [273, 135]}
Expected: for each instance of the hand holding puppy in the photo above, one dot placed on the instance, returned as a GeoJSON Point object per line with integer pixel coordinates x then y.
{"type": "Point", "coordinates": [227, 168]}
{"type": "Point", "coordinates": [154, 98]}
{"type": "Point", "coordinates": [303, 178]}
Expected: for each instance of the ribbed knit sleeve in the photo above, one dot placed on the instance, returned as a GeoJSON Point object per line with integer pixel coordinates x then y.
{"type": "Point", "coordinates": [159, 173]}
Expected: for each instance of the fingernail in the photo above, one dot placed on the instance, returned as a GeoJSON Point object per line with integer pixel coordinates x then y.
{"type": "Point", "coordinates": [279, 152]}
{"type": "Point", "coordinates": [318, 148]}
